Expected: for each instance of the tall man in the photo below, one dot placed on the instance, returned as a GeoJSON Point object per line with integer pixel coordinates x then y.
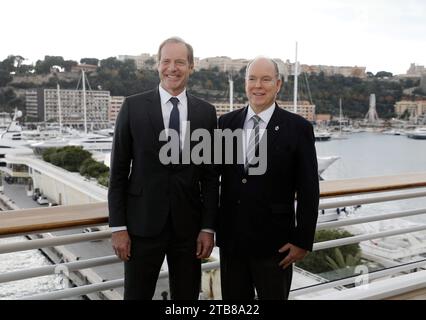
{"type": "Point", "coordinates": [158, 209]}
{"type": "Point", "coordinates": [260, 234]}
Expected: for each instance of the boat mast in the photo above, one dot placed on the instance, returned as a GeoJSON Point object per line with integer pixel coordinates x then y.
{"type": "Point", "coordinates": [340, 115]}
{"type": "Point", "coordinates": [231, 93]}
{"type": "Point", "coordinates": [84, 101]}
{"type": "Point", "coordinates": [59, 109]}
{"type": "Point", "coordinates": [295, 84]}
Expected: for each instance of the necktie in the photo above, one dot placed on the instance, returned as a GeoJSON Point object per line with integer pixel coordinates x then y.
{"type": "Point", "coordinates": [174, 122]}
{"type": "Point", "coordinates": [253, 141]}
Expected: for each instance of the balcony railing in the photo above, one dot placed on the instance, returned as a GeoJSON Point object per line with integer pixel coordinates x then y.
{"type": "Point", "coordinates": [395, 281]}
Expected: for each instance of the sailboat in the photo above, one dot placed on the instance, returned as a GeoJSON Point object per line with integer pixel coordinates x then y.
{"type": "Point", "coordinates": [323, 162]}
{"type": "Point", "coordinates": [339, 135]}
{"type": "Point", "coordinates": [11, 139]}
{"type": "Point", "coordinates": [88, 141]}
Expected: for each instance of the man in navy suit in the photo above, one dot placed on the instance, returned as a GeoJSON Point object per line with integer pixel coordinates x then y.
{"type": "Point", "coordinates": [158, 209]}
{"type": "Point", "coordinates": [260, 233]}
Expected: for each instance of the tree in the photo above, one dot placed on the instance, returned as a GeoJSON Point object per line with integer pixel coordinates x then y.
{"type": "Point", "coordinates": [43, 66]}
{"type": "Point", "coordinates": [317, 262]}
{"type": "Point", "coordinates": [384, 74]}
{"type": "Point", "coordinates": [70, 158]}
{"type": "Point", "coordinates": [343, 266]}
{"type": "Point", "coordinates": [25, 69]}
{"type": "Point", "coordinates": [68, 64]}
{"type": "Point", "coordinates": [8, 64]}
{"type": "Point", "coordinates": [92, 168]}
{"type": "Point", "coordinates": [5, 77]}
{"type": "Point", "coordinates": [149, 63]}
{"type": "Point", "coordinates": [47, 154]}
{"type": "Point", "coordinates": [103, 179]}
{"type": "Point", "coordinates": [92, 61]}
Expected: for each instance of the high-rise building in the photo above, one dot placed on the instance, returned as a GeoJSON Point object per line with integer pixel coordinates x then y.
{"type": "Point", "coordinates": [115, 104]}
{"type": "Point", "coordinates": [43, 105]}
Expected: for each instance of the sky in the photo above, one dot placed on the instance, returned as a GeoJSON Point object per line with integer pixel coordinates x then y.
{"type": "Point", "coordinates": [381, 35]}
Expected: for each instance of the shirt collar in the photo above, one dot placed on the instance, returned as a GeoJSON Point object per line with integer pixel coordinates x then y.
{"type": "Point", "coordinates": [165, 96]}
{"type": "Point", "coordinates": [265, 115]}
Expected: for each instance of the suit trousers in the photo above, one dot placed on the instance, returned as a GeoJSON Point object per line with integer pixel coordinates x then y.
{"type": "Point", "coordinates": [242, 275]}
{"type": "Point", "coordinates": [147, 255]}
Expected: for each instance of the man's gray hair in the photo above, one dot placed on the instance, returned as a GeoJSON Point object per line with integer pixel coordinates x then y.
{"type": "Point", "coordinates": [177, 40]}
{"type": "Point", "coordinates": [274, 63]}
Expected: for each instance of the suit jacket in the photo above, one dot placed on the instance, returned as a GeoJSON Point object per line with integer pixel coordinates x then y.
{"type": "Point", "coordinates": [257, 213]}
{"type": "Point", "coordinates": [143, 193]}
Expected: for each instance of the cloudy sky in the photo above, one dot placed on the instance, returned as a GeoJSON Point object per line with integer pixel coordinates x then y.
{"type": "Point", "coordinates": [378, 34]}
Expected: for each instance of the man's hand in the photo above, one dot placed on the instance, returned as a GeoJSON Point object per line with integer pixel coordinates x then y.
{"type": "Point", "coordinates": [121, 244]}
{"type": "Point", "coordinates": [205, 244]}
{"type": "Point", "coordinates": [295, 254]}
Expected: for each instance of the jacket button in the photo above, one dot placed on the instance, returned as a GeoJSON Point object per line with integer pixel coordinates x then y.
{"type": "Point", "coordinates": [244, 180]}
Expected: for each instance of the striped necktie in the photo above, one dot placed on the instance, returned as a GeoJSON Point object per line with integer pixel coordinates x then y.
{"type": "Point", "coordinates": [253, 142]}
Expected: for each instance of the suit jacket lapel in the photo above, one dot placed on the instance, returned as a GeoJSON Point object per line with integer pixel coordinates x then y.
{"type": "Point", "coordinates": [156, 116]}
{"type": "Point", "coordinates": [192, 119]}
{"type": "Point", "coordinates": [274, 126]}
{"type": "Point", "coordinates": [238, 148]}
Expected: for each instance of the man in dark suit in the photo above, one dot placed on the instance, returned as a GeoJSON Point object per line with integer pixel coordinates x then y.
{"type": "Point", "coordinates": [260, 234]}
{"type": "Point", "coordinates": [158, 209]}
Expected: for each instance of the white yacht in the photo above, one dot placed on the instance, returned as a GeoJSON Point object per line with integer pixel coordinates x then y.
{"type": "Point", "coordinates": [418, 133]}
{"type": "Point", "coordinates": [93, 142]}
{"type": "Point", "coordinates": [322, 135]}
{"type": "Point", "coordinates": [89, 142]}
{"type": "Point", "coordinates": [325, 162]}
{"type": "Point", "coordinates": [11, 138]}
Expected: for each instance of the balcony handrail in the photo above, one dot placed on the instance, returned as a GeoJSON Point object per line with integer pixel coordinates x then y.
{"type": "Point", "coordinates": [373, 199]}
{"type": "Point", "coordinates": [77, 291]}
{"type": "Point", "coordinates": [62, 217]}
{"type": "Point", "coordinates": [59, 218]}
{"type": "Point", "coordinates": [376, 274]}
{"type": "Point", "coordinates": [99, 235]}
{"type": "Point", "coordinates": [54, 241]}
{"type": "Point", "coordinates": [26, 221]}
{"type": "Point", "coordinates": [55, 268]}
{"type": "Point", "coordinates": [72, 266]}
{"type": "Point", "coordinates": [96, 287]}
{"type": "Point", "coordinates": [335, 188]}
{"type": "Point", "coordinates": [359, 238]}
{"type": "Point", "coordinates": [113, 284]}
{"type": "Point", "coordinates": [372, 218]}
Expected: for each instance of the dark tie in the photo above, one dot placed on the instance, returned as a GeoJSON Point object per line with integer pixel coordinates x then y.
{"type": "Point", "coordinates": [174, 122]}
{"type": "Point", "coordinates": [253, 142]}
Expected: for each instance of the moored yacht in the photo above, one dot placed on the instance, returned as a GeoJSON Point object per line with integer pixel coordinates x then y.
{"type": "Point", "coordinates": [418, 133]}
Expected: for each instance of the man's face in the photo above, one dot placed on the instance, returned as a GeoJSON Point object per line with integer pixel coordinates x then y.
{"type": "Point", "coordinates": [262, 84]}
{"type": "Point", "coordinates": [174, 68]}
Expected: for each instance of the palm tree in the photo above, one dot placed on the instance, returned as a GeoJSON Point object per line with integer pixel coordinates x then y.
{"type": "Point", "coordinates": [343, 266]}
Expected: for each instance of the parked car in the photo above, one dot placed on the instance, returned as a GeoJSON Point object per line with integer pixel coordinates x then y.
{"type": "Point", "coordinates": [42, 200]}
{"type": "Point", "coordinates": [36, 194]}
{"type": "Point", "coordinates": [92, 229]}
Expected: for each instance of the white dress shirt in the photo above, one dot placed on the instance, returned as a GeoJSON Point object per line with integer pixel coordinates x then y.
{"type": "Point", "coordinates": [166, 109]}
{"type": "Point", "coordinates": [264, 116]}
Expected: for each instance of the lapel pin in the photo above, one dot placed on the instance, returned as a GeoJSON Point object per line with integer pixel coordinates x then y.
{"type": "Point", "coordinates": [277, 128]}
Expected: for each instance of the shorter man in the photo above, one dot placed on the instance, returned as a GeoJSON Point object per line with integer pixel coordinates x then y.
{"type": "Point", "coordinates": [260, 234]}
